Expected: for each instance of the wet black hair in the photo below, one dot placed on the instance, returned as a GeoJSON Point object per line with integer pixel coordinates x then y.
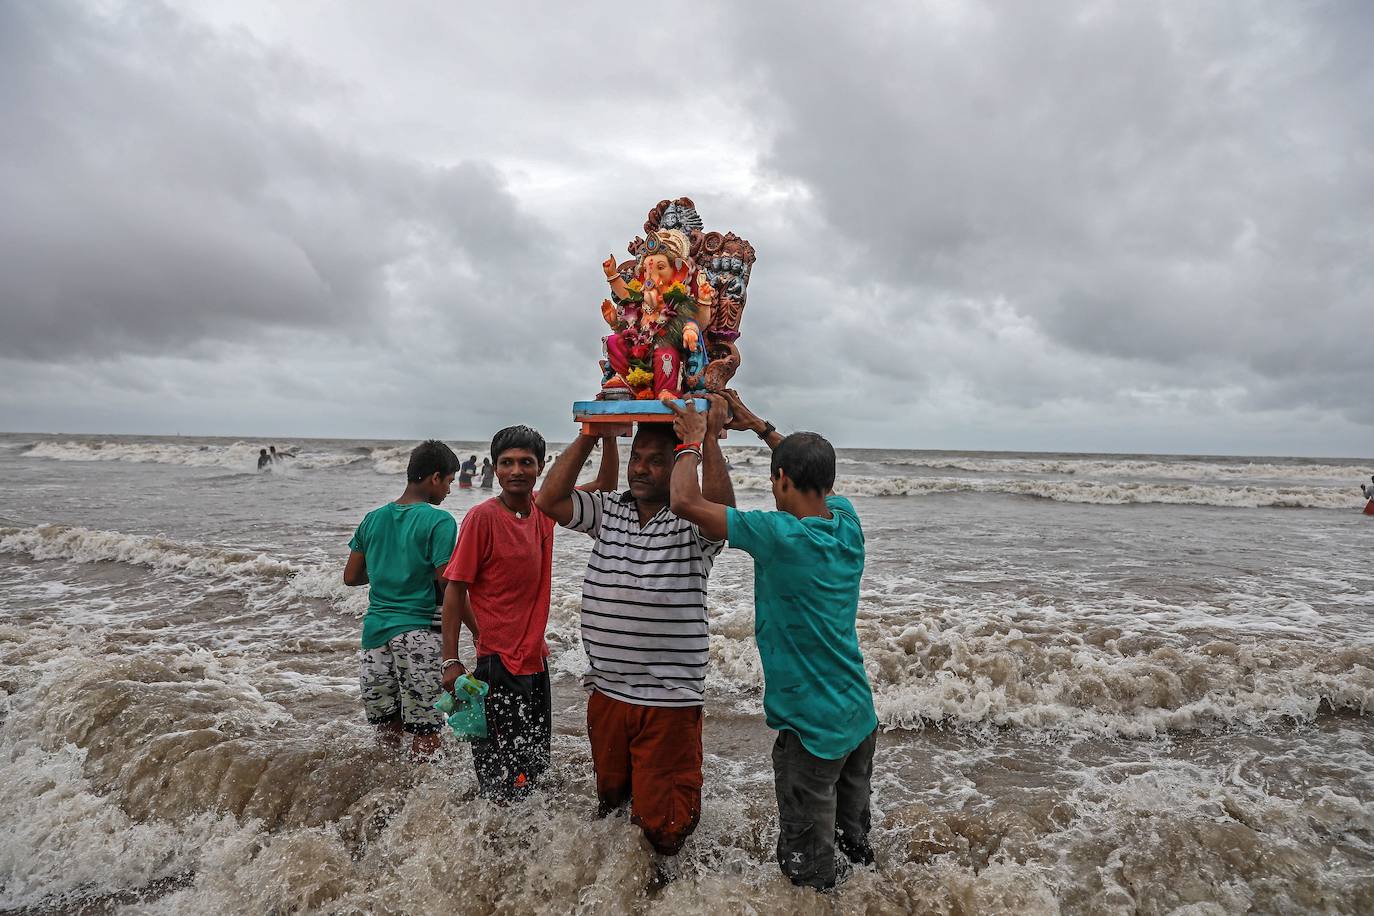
{"type": "Point", "coordinates": [808, 459]}
{"type": "Point", "coordinates": [661, 431]}
{"type": "Point", "coordinates": [262, 451]}
{"type": "Point", "coordinates": [523, 437]}
{"type": "Point", "coordinates": [431, 457]}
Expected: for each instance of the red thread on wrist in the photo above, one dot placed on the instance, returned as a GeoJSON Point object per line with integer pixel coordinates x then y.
{"type": "Point", "coordinates": [686, 445]}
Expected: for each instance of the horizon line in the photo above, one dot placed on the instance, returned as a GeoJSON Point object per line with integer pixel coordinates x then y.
{"type": "Point", "coordinates": [272, 440]}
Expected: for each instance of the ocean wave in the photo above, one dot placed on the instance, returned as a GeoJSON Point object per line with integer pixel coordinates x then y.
{"type": "Point", "coordinates": [976, 672]}
{"type": "Point", "coordinates": [1244, 496]}
{"type": "Point", "coordinates": [1114, 468]}
{"type": "Point", "coordinates": [172, 780]}
{"type": "Point", "coordinates": [1125, 476]}
{"type": "Point", "coordinates": [86, 545]}
{"type": "Point", "coordinates": [1096, 671]}
{"type": "Point", "coordinates": [924, 674]}
{"type": "Point", "coordinates": [391, 460]}
{"type": "Point", "coordinates": [238, 456]}
{"type": "Point", "coordinates": [163, 555]}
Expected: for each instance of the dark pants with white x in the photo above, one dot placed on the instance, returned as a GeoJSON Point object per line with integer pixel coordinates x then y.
{"type": "Point", "coordinates": [822, 809]}
{"type": "Point", "coordinates": [515, 752]}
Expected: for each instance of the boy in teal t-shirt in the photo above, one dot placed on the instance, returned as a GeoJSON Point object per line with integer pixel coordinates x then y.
{"type": "Point", "coordinates": [399, 549]}
{"type": "Point", "coordinates": [808, 562]}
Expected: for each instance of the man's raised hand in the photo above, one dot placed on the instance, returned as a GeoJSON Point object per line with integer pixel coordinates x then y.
{"type": "Point", "coordinates": [742, 418]}
{"type": "Point", "coordinates": [717, 414]}
{"type": "Point", "coordinates": [689, 425]}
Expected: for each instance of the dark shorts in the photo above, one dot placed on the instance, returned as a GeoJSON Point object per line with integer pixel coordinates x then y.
{"type": "Point", "coordinates": [822, 808]}
{"type": "Point", "coordinates": [649, 756]}
{"type": "Point", "coordinates": [515, 752]}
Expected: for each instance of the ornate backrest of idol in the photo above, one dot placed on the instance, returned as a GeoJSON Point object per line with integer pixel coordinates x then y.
{"type": "Point", "coordinates": [707, 277]}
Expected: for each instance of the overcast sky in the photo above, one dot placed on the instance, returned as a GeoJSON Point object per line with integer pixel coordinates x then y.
{"type": "Point", "coordinates": [1127, 226]}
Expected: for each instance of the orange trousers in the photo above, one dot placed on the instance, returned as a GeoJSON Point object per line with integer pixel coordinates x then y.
{"type": "Point", "coordinates": [649, 756]}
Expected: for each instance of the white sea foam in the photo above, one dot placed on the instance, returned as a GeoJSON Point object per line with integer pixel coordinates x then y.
{"type": "Point", "coordinates": [1116, 468]}
{"type": "Point", "coordinates": [85, 545]}
{"type": "Point", "coordinates": [196, 561]}
{"type": "Point", "coordinates": [391, 460]}
{"type": "Point", "coordinates": [926, 662]}
{"type": "Point", "coordinates": [120, 786]}
{"type": "Point", "coordinates": [238, 456]}
{"type": "Point", "coordinates": [1104, 481]}
{"type": "Point", "coordinates": [1246, 496]}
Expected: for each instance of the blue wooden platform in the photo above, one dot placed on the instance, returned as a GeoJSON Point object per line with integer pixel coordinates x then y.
{"type": "Point", "coordinates": [625, 408]}
{"type": "Point", "coordinates": [618, 418]}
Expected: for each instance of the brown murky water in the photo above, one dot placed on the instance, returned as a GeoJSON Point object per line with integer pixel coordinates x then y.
{"type": "Point", "coordinates": [1108, 685]}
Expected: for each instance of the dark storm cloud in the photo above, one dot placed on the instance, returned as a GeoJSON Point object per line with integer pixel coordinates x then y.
{"type": "Point", "coordinates": [1186, 185]}
{"type": "Point", "coordinates": [164, 185]}
{"type": "Point", "coordinates": [1014, 222]}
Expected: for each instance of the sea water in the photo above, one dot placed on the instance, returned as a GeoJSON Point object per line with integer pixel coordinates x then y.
{"type": "Point", "coordinates": [1106, 684]}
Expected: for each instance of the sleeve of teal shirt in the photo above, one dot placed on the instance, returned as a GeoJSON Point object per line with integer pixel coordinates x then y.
{"type": "Point", "coordinates": [755, 533]}
{"type": "Point", "coordinates": [358, 540]}
{"type": "Point", "coordinates": [842, 505]}
{"type": "Point", "coordinates": [441, 540]}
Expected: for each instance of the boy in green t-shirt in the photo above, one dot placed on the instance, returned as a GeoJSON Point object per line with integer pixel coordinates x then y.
{"type": "Point", "coordinates": [400, 549]}
{"type": "Point", "coordinates": [808, 560]}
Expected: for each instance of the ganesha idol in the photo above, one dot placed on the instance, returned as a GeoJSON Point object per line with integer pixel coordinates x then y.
{"type": "Point", "coordinates": [674, 310]}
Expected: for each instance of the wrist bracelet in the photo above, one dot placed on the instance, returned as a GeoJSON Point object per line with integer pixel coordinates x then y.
{"type": "Point", "coordinates": [687, 451]}
{"type": "Point", "coordinates": [686, 445]}
{"type": "Point", "coordinates": [444, 665]}
{"type": "Point", "coordinates": [768, 430]}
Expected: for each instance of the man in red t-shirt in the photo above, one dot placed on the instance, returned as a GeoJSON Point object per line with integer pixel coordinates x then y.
{"type": "Point", "coordinates": [499, 579]}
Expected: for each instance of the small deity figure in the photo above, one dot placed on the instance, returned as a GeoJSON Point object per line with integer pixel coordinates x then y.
{"type": "Point", "coordinates": [658, 320]}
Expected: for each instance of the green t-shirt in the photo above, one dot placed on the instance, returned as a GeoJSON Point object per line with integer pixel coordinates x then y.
{"type": "Point", "coordinates": [806, 598]}
{"type": "Point", "coordinates": [403, 545]}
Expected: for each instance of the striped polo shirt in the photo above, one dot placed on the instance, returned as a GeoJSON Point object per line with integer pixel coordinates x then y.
{"type": "Point", "coordinates": [644, 602]}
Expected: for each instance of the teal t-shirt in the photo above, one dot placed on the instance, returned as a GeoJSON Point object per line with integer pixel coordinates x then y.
{"type": "Point", "coordinates": [806, 598]}
{"type": "Point", "coordinates": [403, 545]}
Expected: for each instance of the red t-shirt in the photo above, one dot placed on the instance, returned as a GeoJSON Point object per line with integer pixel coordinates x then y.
{"type": "Point", "coordinates": [507, 563]}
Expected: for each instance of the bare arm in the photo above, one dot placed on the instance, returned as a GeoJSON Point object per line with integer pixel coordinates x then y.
{"type": "Point", "coordinates": [716, 485]}
{"type": "Point", "coordinates": [744, 419]}
{"type": "Point", "coordinates": [687, 501]}
{"type": "Point", "coordinates": [608, 475]}
{"type": "Point", "coordinates": [685, 493]}
{"type": "Point", "coordinates": [355, 570]}
{"type": "Point", "coordinates": [555, 496]}
{"type": "Point", "coordinates": [457, 613]}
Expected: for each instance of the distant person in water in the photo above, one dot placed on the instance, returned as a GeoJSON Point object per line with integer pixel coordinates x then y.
{"type": "Point", "coordinates": [488, 469]}
{"type": "Point", "coordinates": [1368, 488]}
{"type": "Point", "coordinates": [264, 460]}
{"type": "Point", "coordinates": [279, 455]}
{"type": "Point", "coordinates": [401, 549]}
{"type": "Point", "coordinates": [466, 473]}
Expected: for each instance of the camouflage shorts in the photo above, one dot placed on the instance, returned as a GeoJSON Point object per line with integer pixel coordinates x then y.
{"type": "Point", "coordinates": [401, 680]}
